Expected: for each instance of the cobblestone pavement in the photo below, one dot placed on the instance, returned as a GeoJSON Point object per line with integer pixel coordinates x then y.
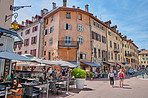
{"type": "Point", "coordinates": [100, 88]}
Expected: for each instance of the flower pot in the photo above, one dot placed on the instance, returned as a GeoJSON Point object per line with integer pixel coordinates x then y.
{"type": "Point", "coordinates": [80, 83]}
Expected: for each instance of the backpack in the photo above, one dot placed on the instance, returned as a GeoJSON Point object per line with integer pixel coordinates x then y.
{"type": "Point", "coordinates": [121, 75]}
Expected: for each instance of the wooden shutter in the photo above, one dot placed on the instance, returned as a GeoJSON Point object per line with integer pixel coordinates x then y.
{"type": "Point", "coordinates": [35, 52]}
{"type": "Point", "coordinates": [24, 42]}
{"type": "Point", "coordinates": [64, 26]}
{"type": "Point", "coordinates": [31, 52]}
{"type": "Point", "coordinates": [69, 27]}
{"type": "Point", "coordinates": [31, 40]}
{"type": "Point", "coordinates": [49, 30]}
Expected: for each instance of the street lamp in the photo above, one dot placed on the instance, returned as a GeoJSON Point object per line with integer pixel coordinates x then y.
{"type": "Point", "coordinates": [14, 25]}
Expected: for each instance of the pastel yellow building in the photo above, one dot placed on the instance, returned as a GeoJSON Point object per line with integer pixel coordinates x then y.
{"type": "Point", "coordinates": [143, 58]}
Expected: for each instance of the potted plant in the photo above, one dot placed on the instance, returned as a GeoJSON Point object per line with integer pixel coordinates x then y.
{"type": "Point", "coordinates": [91, 75]}
{"type": "Point", "coordinates": [80, 75]}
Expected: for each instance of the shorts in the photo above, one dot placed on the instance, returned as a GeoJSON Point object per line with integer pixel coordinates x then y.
{"type": "Point", "coordinates": [121, 78]}
{"type": "Point", "coordinates": [63, 76]}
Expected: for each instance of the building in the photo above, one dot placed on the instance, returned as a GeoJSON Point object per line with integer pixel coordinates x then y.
{"type": "Point", "coordinates": [7, 37]}
{"type": "Point", "coordinates": [5, 11]}
{"type": "Point", "coordinates": [33, 38]}
{"type": "Point", "coordinates": [143, 58]}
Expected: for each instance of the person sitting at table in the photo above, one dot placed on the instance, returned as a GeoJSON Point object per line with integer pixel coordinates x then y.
{"type": "Point", "coordinates": [63, 73]}
{"type": "Point", "coordinates": [16, 89]}
{"type": "Point", "coordinates": [6, 77]}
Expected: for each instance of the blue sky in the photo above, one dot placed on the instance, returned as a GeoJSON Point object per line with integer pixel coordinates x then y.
{"type": "Point", "coordinates": [130, 16]}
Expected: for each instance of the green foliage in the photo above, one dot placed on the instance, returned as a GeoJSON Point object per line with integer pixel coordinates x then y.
{"type": "Point", "coordinates": [78, 73]}
{"type": "Point", "coordinates": [91, 74]}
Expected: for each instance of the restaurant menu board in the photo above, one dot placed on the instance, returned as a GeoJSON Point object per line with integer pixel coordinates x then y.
{"type": "Point", "coordinates": [7, 65]}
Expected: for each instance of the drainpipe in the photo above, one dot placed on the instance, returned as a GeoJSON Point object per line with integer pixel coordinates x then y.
{"type": "Point", "coordinates": [91, 39]}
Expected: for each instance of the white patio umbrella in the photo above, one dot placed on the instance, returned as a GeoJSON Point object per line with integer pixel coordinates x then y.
{"type": "Point", "coordinates": [13, 56]}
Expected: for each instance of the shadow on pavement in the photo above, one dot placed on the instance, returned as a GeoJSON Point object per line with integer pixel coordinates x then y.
{"type": "Point", "coordinates": [126, 85]}
{"type": "Point", "coordinates": [127, 88]}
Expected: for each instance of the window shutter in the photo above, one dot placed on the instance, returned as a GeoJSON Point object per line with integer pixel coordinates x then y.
{"type": "Point", "coordinates": [48, 30]}
{"type": "Point", "coordinates": [31, 52]}
{"type": "Point", "coordinates": [35, 52]}
{"type": "Point", "coordinates": [78, 27]}
{"type": "Point", "coordinates": [24, 42]}
{"type": "Point", "coordinates": [69, 27]}
{"type": "Point", "coordinates": [82, 27]}
{"type": "Point", "coordinates": [31, 40]}
{"type": "Point", "coordinates": [64, 26]}
{"type": "Point", "coordinates": [44, 32]}
{"type": "Point", "coordinates": [35, 39]}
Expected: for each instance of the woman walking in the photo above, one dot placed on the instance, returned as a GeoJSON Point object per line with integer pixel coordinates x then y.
{"type": "Point", "coordinates": [121, 77]}
{"type": "Point", "coordinates": [111, 76]}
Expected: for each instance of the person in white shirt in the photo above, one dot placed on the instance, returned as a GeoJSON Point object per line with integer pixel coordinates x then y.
{"type": "Point", "coordinates": [111, 76]}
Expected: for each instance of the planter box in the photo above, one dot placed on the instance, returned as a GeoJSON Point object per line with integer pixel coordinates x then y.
{"type": "Point", "coordinates": [80, 83]}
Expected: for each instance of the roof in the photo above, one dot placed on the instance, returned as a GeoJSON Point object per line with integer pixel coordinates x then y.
{"type": "Point", "coordinates": [12, 34]}
{"type": "Point", "coordinates": [91, 64]}
{"type": "Point", "coordinates": [144, 52]}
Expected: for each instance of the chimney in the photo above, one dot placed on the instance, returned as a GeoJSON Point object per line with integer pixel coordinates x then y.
{"type": "Point", "coordinates": [96, 16]}
{"type": "Point", "coordinates": [117, 31]}
{"type": "Point", "coordinates": [78, 7]}
{"type": "Point", "coordinates": [45, 11]}
{"type": "Point", "coordinates": [64, 3]}
{"type": "Point", "coordinates": [41, 13]}
{"type": "Point", "coordinates": [73, 6]}
{"type": "Point", "coordinates": [125, 37]}
{"type": "Point", "coordinates": [86, 8]}
{"type": "Point", "coordinates": [53, 5]}
{"type": "Point", "coordinates": [108, 23]}
{"type": "Point", "coordinates": [23, 23]}
{"type": "Point", "coordinates": [32, 19]}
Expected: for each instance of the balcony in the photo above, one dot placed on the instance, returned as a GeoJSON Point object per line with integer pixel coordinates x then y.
{"type": "Point", "coordinates": [128, 55]}
{"type": "Point", "coordinates": [68, 44]}
{"type": "Point", "coordinates": [116, 50]}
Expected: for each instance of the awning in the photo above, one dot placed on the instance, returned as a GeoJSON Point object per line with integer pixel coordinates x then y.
{"type": "Point", "coordinates": [12, 34]}
{"type": "Point", "coordinates": [91, 64]}
{"type": "Point", "coordinates": [110, 63]}
{"type": "Point", "coordinates": [13, 56]}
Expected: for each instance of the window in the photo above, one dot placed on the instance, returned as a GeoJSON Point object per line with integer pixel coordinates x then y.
{"type": "Point", "coordinates": [99, 53]}
{"type": "Point", "coordinates": [46, 32]}
{"type": "Point", "coordinates": [44, 52]}
{"type": "Point", "coordinates": [146, 54]}
{"type": "Point", "coordinates": [99, 37]}
{"type": "Point", "coordinates": [92, 34]}
{"type": "Point", "coordinates": [112, 55]}
{"type": "Point", "coordinates": [27, 31]}
{"type": "Point", "coordinates": [95, 54]}
{"type": "Point", "coordinates": [45, 43]}
{"type": "Point", "coordinates": [96, 36]}
{"type": "Point", "coordinates": [19, 53]}
{"type": "Point", "coordinates": [115, 46]}
{"type": "Point", "coordinates": [51, 18]}
{"type": "Point", "coordinates": [51, 29]}
{"type": "Point", "coordinates": [143, 54]}
{"type": "Point", "coordinates": [25, 51]}
{"type": "Point", "coordinates": [67, 40]}
{"type": "Point", "coordinates": [49, 54]}
{"type": "Point", "coordinates": [46, 21]}
{"type": "Point", "coordinates": [119, 57]}
{"type": "Point", "coordinates": [147, 58]}
{"type": "Point", "coordinates": [34, 28]}
{"type": "Point", "coordinates": [80, 16]}
{"type": "Point", "coordinates": [33, 40]}
{"type": "Point", "coordinates": [83, 56]}
{"type": "Point", "coordinates": [143, 58]}
{"type": "Point", "coordinates": [110, 44]}
{"type": "Point", "coordinates": [144, 61]}
{"type": "Point", "coordinates": [103, 39]}
{"type": "Point", "coordinates": [141, 61]}
{"type": "Point", "coordinates": [33, 52]}
{"type": "Point", "coordinates": [116, 38]}
{"type": "Point", "coordinates": [109, 33]}
{"type": "Point", "coordinates": [26, 42]}
{"type": "Point", "coordinates": [80, 28]}
{"type": "Point", "coordinates": [115, 56]}
{"type": "Point", "coordinates": [108, 55]}
{"type": "Point", "coordinates": [68, 15]}
{"type": "Point", "coordinates": [80, 40]}
{"type": "Point", "coordinates": [67, 26]}
{"type": "Point", "coordinates": [50, 41]}
{"type": "Point", "coordinates": [118, 46]}
{"type": "Point", "coordinates": [21, 33]}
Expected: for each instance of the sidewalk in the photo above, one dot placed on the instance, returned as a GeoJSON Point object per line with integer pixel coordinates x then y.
{"type": "Point", "coordinates": [100, 88]}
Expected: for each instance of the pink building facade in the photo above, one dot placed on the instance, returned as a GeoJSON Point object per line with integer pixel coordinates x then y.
{"type": "Point", "coordinates": [31, 33]}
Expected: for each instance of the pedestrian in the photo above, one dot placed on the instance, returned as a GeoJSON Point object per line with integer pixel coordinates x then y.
{"type": "Point", "coordinates": [63, 73]}
{"type": "Point", "coordinates": [121, 77]}
{"type": "Point", "coordinates": [111, 77]}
